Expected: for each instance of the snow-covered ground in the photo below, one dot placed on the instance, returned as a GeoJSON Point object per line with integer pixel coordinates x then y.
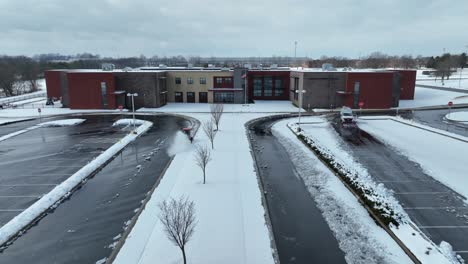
{"type": "Point", "coordinates": [432, 97]}
{"type": "Point", "coordinates": [407, 232]}
{"type": "Point", "coordinates": [64, 189]}
{"type": "Point", "coordinates": [231, 224]}
{"type": "Point", "coordinates": [55, 123]}
{"type": "Point", "coordinates": [453, 82]}
{"type": "Point", "coordinates": [257, 107]}
{"type": "Point", "coordinates": [342, 211]}
{"type": "Point", "coordinates": [441, 157]}
{"type": "Point", "coordinates": [458, 116]}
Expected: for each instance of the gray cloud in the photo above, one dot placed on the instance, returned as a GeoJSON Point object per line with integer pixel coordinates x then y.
{"type": "Point", "coordinates": [233, 28]}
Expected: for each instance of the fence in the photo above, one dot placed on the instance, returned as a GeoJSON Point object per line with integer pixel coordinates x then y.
{"type": "Point", "coordinates": [13, 99]}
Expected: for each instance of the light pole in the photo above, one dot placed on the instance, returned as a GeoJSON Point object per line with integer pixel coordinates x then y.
{"type": "Point", "coordinates": [300, 94]}
{"type": "Point", "coordinates": [133, 108]}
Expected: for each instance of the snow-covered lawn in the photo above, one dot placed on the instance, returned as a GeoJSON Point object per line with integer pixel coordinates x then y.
{"type": "Point", "coordinates": [64, 189]}
{"type": "Point", "coordinates": [432, 97]}
{"type": "Point", "coordinates": [458, 116]}
{"type": "Point", "coordinates": [443, 158]}
{"type": "Point", "coordinates": [453, 82]}
{"type": "Point", "coordinates": [46, 111]}
{"type": "Point", "coordinates": [257, 107]}
{"type": "Point", "coordinates": [231, 224]}
{"type": "Point", "coordinates": [407, 232]}
{"type": "Point", "coordinates": [55, 123]}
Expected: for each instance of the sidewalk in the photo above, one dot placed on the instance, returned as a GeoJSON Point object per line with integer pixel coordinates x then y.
{"type": "Point", "coordinates": [231, 223]}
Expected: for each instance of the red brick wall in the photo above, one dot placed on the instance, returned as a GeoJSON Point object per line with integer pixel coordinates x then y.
{"type": "Point", "coordinates": [52, 79]}
{"type": "Point", "coordinates": [407, 84]}
{"type": "Point", "coordinates": [84, 89]}
{"type": "Point", "coordinates": [375, 89]}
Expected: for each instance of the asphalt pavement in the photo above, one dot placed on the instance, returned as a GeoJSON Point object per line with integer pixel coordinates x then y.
{"type": "Point", "coordinates": [86, 227]}
{"type": "Point", "coordinates": [301, 233]}
{"type": "Point", "coordinates": [435, 118]}
{"type": "Point", "coordinates": [437, 210]}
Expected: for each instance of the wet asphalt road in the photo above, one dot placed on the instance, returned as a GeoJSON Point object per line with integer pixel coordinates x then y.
{"type": "Point", "coordinates": [437, 210]}
{"type": "Point", "coordinates": [301, 233]}
{"type": "Point", "coordinates": [435, 118]}
{"type": "Point", "coordinates": [84, 228]}
{"type": "Point", "coordinates": [33, 163]}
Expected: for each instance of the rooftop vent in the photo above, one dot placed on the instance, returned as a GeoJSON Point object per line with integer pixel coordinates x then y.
{"type": "Point", "coordinates": [108, 67]}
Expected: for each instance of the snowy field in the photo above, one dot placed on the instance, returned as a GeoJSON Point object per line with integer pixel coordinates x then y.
{"type": "Point", "coordinates": [453, 82]}
{"type": "Point", "coordinates": [258, 107]}
{"type": "Point", "coordinates": [431, 97]}
{"type": "Point", "coordinates": [231, 224]}
{"type": "Point", "coordinates": [441, 157]}
{"type": "Point", "coordinates": [323, 133]}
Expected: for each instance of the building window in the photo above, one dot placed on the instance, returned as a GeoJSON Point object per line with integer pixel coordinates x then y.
{"type": "Point", "coordinates": [257, 86]}
{"type": "Point", "coordinates": [278, 87]}
{"type": "Point", "coordinates": [267, 86]}
{"type": "Point", "coordinates": [224, 97]}
{"type": "Point", "coordinates": [219, 80]}
{"type": "Point", "coordinates": [190, 97]}
{"type": "Point", "coordinates": [189, 80]}
{"type": "Point", "coordinates": [104, 94]}
{"type": "Point", "coordinates": [179, 97]}
{"type": "Point", "coordinates": [202, 80]}
{"type": "Point", "coordinates": [228, 81]}
{"type": "Point", "coordinates": [178, 80]}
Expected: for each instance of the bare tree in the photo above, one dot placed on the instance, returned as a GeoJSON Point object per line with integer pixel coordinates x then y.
{"type": "Point", "coordinates": [216, 113]}
{"type": "Point", "coordinates": [202, 157]}
{"type": "Point", "coordinates": [178, 218]}
{"type": "Point", "coordinates": [210, 132]}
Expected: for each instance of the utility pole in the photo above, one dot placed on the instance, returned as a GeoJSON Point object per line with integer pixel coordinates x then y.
{"type": "Point", "coordinates": [133, 108]}
{"type": "Point", "coordinates": [295, 51]}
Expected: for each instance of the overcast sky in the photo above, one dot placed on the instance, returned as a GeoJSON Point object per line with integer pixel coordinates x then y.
{"type": "Point", "coordinates": [233, 28]}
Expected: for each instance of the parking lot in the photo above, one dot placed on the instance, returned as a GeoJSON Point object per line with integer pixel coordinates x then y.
{"type": "Point", "coordinates": [436, 209]}
{"type": "Point", "coordinates": [35, 162]}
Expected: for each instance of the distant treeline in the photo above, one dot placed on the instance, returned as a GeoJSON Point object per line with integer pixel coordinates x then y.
{"type": "Point", "coordinates": [14, 69]}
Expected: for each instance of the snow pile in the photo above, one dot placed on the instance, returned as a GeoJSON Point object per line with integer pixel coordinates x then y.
{"type": "Point", "coordinates": [55, 123]}
{"type": "Point", "coordinates": [55, 196]}
{"type": "Point", "coordinates": [181, 143]}
{"type": "Point", "coordinates": [376, 196]}
{"type": "Point", "coordinates": [440, 154]}
{"type": "Point", "coordinates": [128, 121]}
{"type": "Point", "coordinates": [64, 122]}
{"type": "Point", "coordinates": [457, 116]}
{"type": "Point", "coordinates": [345, 216]}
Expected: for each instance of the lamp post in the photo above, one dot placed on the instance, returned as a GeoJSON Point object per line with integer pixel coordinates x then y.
{"type": "Point", "coordinates": [300, 94]}
{"type": "Point", "coordinates": [133, 107]}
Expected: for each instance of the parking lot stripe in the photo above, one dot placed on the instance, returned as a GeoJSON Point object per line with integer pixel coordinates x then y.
{"type": "Point", "coordinates": [20, 196]}
{"type": "Point", "coordinates": [432, 208]}
{"type": "Point", "coordinates": [12, 210]}
{"type": "Point", "coordinates": [27, 184]}
{"type": "Point", "coordinates": [410, 193]}
{"type": "Point", "coordinates": [441, 227]}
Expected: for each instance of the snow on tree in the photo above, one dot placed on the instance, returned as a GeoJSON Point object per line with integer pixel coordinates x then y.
{"type": "Point", "coordinates": [178, 218]}
{"type": "Point", "coordinates": [216, 113]}
{"type": "Point", "coordinates": [210, 132]}
{"type": "Point", "coordinates": [202, 157]}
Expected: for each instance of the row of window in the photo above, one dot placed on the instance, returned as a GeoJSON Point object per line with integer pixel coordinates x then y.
{"type": "Point", "coordinates": [202, 80]}
{"type": "Point", "coordinates": [264, 86]}
{"type": "Point", "coordinates": [202, 97]}
{"type": "Point", "coordinates": [178, 80]}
